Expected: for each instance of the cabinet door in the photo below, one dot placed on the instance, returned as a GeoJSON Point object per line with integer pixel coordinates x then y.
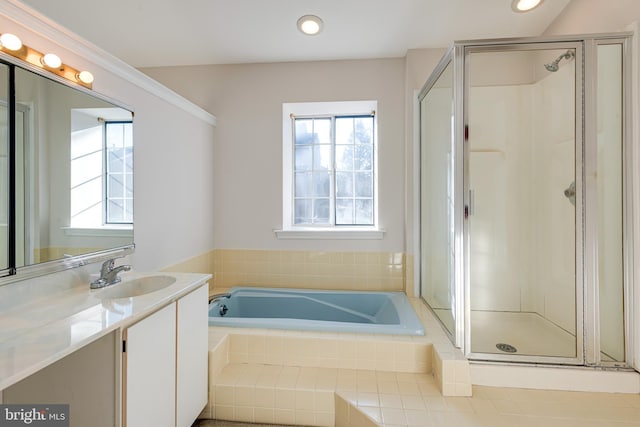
{"type": "Point", "coordinates": [192, 356]}
{"type": "Point", "coordinates": [150, 375]}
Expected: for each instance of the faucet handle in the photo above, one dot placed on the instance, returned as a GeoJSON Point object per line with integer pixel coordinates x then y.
{"type": "Point", "coordinates": [107, 266]}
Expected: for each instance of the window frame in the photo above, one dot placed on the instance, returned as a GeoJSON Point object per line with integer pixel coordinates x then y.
{"type": "Point", "coordinates": [289, 229]}
{"type": "Point", "coordinates": [107, 174]}
{"type": "Point", "coordinates": [105, 228]}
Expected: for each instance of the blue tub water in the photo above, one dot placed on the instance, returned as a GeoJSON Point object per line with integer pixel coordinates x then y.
{"type": "Point", "coordinates": [302, 309]}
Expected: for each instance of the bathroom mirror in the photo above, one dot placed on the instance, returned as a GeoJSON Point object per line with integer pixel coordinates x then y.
{"type": "Point", "coordinates": [73, 172]}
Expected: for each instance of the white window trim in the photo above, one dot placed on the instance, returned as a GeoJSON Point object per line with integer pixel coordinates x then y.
{"type": "Point", "coordinates": [291, 231]}
{"type": "Point", "coordinates": [125, 230]}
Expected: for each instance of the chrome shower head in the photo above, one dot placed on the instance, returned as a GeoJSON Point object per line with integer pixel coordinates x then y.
{"type": "Point", "coordinates": [553, 66]}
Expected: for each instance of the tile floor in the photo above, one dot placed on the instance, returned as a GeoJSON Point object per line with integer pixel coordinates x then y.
{"type": "Point", "coordinates": [220, 423]}
{"type": "Point", "coordinates": [494, 406]}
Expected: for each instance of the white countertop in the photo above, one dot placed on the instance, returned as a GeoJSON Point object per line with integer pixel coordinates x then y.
{"type": "Point", "coordinates": [39, 331]}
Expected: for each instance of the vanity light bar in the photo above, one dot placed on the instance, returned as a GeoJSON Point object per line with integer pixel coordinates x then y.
{"type": "Point", "coordinates": [11, 45]}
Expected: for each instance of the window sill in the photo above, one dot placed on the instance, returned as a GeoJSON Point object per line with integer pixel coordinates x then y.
{"type": "Point", "coordinates": [114, 231]}
{"type": "Point", "coordinates": [331, 234]}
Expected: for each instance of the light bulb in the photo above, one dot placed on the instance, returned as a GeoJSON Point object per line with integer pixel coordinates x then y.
{"type": "Point", "coordinates": [310, 25]}
{"type": "Point", "coordinates": [525, 5]}
{"type": "Point", "coordinates": [10, 41]}
{"type": "Point", "coordinates": [52, 60]}
{"type": "Point", "coordinates": [85, 77]}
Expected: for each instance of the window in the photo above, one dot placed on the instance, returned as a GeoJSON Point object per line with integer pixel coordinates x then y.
{"type": "Point", "coordinates": [101, 173]}
{"type": "Point", "coordinates": [330, 167]}
{"type": "Point", "coordinates": [119, 172]}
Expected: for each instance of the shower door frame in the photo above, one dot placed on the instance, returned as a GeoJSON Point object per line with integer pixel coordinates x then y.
{"type": "Point", "coordinates": [587, 297]}
{"type": "Point", "coordinates": [515, 45]}
{"type": "Point", "coordinates": [592, 322]}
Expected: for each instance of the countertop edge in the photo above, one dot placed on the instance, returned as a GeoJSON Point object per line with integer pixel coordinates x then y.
{"type": "Point", "coordinates": [149, 304]}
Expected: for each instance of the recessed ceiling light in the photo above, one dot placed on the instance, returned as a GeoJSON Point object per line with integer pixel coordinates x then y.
{"type": "Point", "coordinates": [525, 5]}
{"type": "Point", "coordinates": [310, 25]}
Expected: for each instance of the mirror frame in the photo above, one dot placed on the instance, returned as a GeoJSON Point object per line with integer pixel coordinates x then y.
{"type": "Point", "coordinates": [48, 267]}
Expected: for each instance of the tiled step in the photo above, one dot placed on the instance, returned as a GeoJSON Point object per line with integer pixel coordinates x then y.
{"type": "Point", "coordinates": [322, 397]}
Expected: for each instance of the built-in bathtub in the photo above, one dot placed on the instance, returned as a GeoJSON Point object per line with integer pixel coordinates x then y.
{"type": "Point", "coordinates": [316, 310]}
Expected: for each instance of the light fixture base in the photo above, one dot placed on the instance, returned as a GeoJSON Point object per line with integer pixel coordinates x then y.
{"type": "Point", "coordinates": [310, 25]}
{"type": "Point", "coordinates": [37, 59]}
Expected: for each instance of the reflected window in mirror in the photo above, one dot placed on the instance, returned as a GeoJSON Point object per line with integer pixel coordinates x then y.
{"type": "Point", "coordinates": [101, 169]}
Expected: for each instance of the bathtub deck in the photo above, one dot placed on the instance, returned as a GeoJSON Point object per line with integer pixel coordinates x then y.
{"type": "Point", "coordinates": [331, 379]}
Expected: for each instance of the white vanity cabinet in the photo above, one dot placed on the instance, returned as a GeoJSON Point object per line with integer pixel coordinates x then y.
{"type": "Point", "coordinates": [165, 364]}
{"type": "Point", "coordinates": [192, 354]}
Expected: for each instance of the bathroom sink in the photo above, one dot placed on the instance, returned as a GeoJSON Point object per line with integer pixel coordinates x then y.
{"type": "Point", "coordinates": [136, 287]}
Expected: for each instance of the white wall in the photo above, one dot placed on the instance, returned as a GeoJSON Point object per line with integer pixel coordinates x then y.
{"type": "Point", "coordinates": [247, 101]}
{"type": "Point", "coordinates": [173, 145]}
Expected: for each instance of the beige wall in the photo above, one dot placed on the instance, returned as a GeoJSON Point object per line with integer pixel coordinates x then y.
{"type": "Point", "coordinates": [595, 16]}
{"type": "Point", "coordinates": [247, 100]}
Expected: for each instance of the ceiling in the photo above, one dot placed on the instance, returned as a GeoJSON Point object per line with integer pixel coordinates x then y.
{"type": "Point", "coordinates": [148, 33]}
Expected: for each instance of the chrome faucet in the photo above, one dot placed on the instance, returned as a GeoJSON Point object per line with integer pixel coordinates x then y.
{"type": "Point", "coordinates": [108, 274]}
{"type": "Point", "coordinates": [218, 297]}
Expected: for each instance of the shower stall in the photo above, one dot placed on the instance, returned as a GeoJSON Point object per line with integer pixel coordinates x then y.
{"type": "Point", "coordinates": [525, 199]}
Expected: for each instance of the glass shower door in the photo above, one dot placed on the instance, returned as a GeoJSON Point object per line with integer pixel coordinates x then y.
{"type": "Point", "coordinates": [436, 198]}
{"type": "Point", "coordinates": [524, 203]}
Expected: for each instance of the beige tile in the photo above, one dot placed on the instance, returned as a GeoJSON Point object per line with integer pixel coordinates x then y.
{"type": "Point", "coordinates": [459, 404]}
{"type": "Point", "coordinates": [368, 399]}
{"type": "Point", "coordinates": [393, 416]}
{"type": "Point", "coordinates": [408, 388]}
{"type": "Point", "coordinates": [224, 395]}
{"type": "Point", "coordinates": [264, 415]}
{"type": "Point", "coordinates": [390, 401]}
{"type": "Point", "coordinates": [285, 399]}
{"type": "Point", "coordinates": [413, 402]}
{"type": "Point", "coordinates": [244, 414]}
{"type": "Point", "coordinates": [435, 403]}
{"type": "Point", "coordinates": [429, 389]}
{"type": "Point", "coordinates": [483, 406]}
{"type": "Point", "coordinates": [506, 406]}
{"type": "Point", "coordinates": [372, 413]}
{"type": "Point", "coordinates": [325, 401]}
{"type": "Point", "coordinates": [224, 412]}
{"type": "Point", "coordinates": [418, 418]}
{"type": "Point", "coordinates": [341, 406]}
{"type": "Point", "coordinates": [304, 400]}
{"type": "Point", "coordinates": [244, 396]}
{"type": "Point", "coordinates": [324, 419]}
{"type": "Point", "coordinates": [388, 387]}
{"type": "Point", "coordinates": [284, 416]}
{"type": "Point", "coordinates": [367, 386]}
{"type": "Point", "coordinates": [304, 418]}
{"type": "Point", "coordinates": [264, 397]}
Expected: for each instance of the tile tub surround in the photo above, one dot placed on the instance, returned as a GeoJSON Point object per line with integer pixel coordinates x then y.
{"type": "Point", "coordinates": [373, 271]}
{"type": "Point", "coordinates": [256, 375]}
